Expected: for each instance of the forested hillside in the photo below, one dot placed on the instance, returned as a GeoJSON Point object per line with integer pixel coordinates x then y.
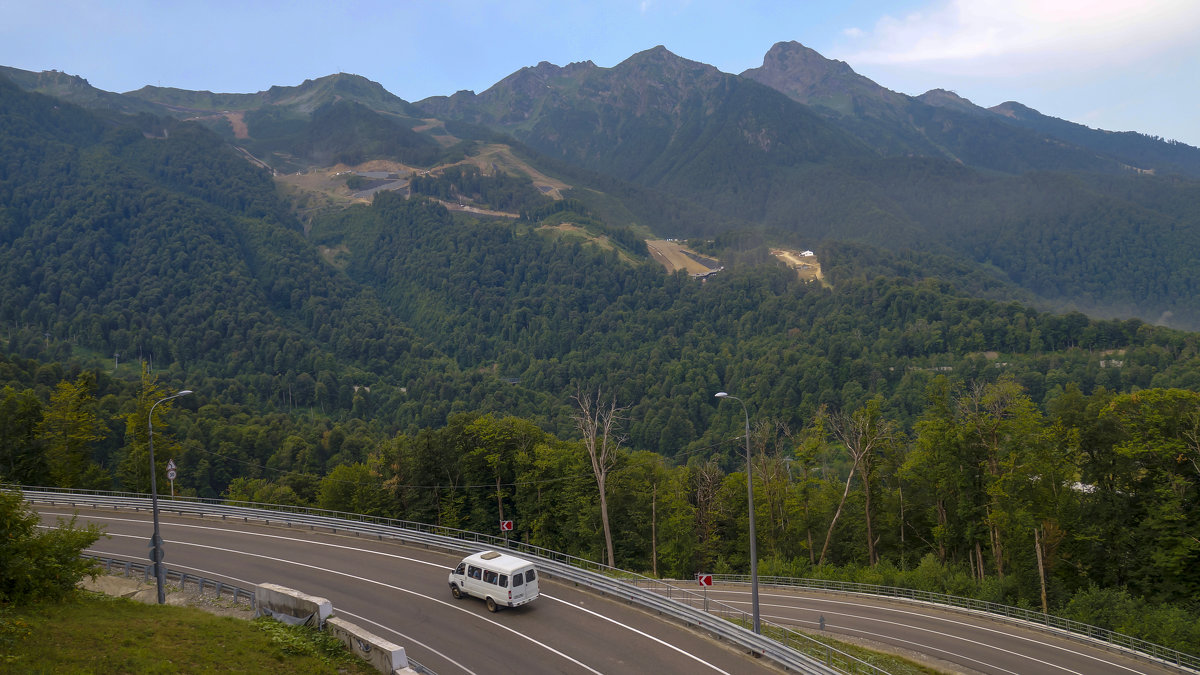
{"type": "Point", "coordinates": [844, 159]}
{"type": "Point", "coordinates": [914, 420]}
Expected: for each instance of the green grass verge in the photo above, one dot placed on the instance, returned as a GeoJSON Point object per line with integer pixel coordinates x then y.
{"type": "Point", "coordinates": [93, 633]}
{"type": "Point", "coordinates": [889, 663]}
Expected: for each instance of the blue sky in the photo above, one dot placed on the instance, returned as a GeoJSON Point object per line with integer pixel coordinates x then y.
{"type": "Point", "coordinates": [1111, 64]}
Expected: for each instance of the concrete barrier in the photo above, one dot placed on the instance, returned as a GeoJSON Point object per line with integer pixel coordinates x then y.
{"type": "Point", "coordinates": [294, 607]}
{"type": "Point", "coordinates": [281, 601]}
{"type": "Point", "coordinates": [385, 656]}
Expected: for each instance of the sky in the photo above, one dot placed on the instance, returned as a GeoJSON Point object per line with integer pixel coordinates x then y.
{"type": "Point", "coordinates": [1121, 65]}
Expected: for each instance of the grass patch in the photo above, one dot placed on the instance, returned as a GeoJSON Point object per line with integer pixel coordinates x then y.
{"type": "Point", "coordinates": [889, 663]}
{"type": "Point", "coordinates": [97, 634]}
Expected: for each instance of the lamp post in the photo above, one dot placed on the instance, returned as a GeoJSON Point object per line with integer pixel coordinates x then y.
{"type": "Point", "coordinates": [156, 549]}
{"type": "Point", "coordinates": [753, 538]}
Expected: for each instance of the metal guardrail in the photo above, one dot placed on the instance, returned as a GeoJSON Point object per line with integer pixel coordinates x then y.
{"type": "Point", "coordinates": [146, 571]}
{"type": "Point", "coordinates": [681, 604]}
{"type": "Point", "coordinates": [788, 649]}
{"type": "Point", "coordinates": [1074, 629]}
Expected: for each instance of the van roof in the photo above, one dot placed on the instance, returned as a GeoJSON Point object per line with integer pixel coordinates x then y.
{"type": "Point", "coordinates": [502, 562]}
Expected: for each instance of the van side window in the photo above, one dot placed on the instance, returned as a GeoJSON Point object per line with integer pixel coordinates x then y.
{"type": "Point", "coordinates": [474, 572]}
{"type": "Point", "coordinates": [462, 568]}
{"type": "Point", "coordinates": [489, 576]}
{"type": "Point", "coordinates": [530, 575]}
{"type": "Point", "coordinates": [518, 579]}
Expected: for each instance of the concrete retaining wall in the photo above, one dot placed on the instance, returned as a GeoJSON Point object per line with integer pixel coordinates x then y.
{"type": "Point", "coordinates": [385, 656]}
{"type": "Point", "coordinates": [283, 600]}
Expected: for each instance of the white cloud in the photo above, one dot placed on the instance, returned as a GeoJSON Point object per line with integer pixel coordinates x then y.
{"type": "Point", "coordinates": [1023, 35]}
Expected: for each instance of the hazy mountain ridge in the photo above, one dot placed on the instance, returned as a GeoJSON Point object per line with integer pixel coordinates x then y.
{"type": "Point", "coordinates": [1141, 149]}
{"type": "Point", "coordinates": [938, 123]}
{"type": "Point", "coordinates": [659, 121]}
{"type": "Point", "coordinates": [802, 147]}
{"type": "Point", "coordinates": [306, 97]}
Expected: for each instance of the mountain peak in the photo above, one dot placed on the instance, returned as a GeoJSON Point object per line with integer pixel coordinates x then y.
{"type": "Point", "coordinates": [806, 76]}
{"type": "Point", "coordinates": [660, 65]}
{"type": "Point", "coordinates": [802, 62]}
{"type": "Point", "coordinates": [944, 98]}
{"type": "Point", "coordinates": [661, 56]}
{"type": "Point", "coordinates": [1014, 110]}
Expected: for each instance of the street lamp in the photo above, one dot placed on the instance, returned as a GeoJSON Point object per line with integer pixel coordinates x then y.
{"type": "Point", "coordinates": [753, 538]}
{"type": "Point", "coordinates": [156, 549]}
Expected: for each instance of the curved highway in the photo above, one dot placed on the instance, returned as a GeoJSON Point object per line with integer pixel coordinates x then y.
{"type": "Point", "coordinates": [947, 639]}
{"type": "Point", "coordinates": [400, 593]}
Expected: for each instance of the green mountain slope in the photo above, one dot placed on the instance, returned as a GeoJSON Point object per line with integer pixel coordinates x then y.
{"type": "Point", "coordinates": [1139, 150]}
{"type": "Point", "coordinates": [171, 250]}
{"type": "Point", "coordinates": [841, 166]}
{"type": "Point", "coordinates": [659, 121]}
{"type": "Point", "coordinates": [407, 359]}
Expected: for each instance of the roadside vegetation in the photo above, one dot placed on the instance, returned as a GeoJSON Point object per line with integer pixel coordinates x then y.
{"type": "Point", "coordinates": [49, 625]}
{"type": "Point", "coordinates": [89, 633]}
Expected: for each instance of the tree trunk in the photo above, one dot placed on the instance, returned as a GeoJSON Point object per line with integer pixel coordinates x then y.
{"type": "Point", "coordinates": [941, 515]}
{"type": "Point", "coordinates": [979, 559]}
{"type": "Point", "coordinates": [499, 498]}
{"type": "Point", "coordinates": [1037, 545]}
{"type": "Point", "coordinates": [872, 558]}
{"type": "Point", "coordinates": [608, 542]}
{"type": "Point", "coordinates": [997, 550]}
{"type": "Point", "coordinates": [654, 530]}
{"type": "Point", "coordinates": [837, 514]}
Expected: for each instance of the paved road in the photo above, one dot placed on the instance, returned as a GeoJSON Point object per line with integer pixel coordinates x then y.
{"type": "Point", "coordinates": [401, 594]}
{"type": "Point", "coordinates": [961, 642]}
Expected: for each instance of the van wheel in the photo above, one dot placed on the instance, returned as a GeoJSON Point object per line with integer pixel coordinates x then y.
{"type": "Point", "coordinates": [455, 592]}
{"type": "Point", "coordinates": [492, 606]}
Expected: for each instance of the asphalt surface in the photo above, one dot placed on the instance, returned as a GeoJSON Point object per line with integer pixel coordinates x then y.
{"type": "Point", "coordinates": [949, 640]}
{"type": "Point", "coordinates": [401, 593]}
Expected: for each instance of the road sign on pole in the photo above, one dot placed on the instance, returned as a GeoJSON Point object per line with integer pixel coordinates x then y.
{"type": "Point", "coordinates": [705, 580]}
{"type": "Point", "coordinates": [506, 526]}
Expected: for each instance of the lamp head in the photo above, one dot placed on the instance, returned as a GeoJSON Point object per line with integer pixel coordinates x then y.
{"type": "Point", "coordinates": [720, 394]}
{"type": "Point", "coordinates": [184, 392]}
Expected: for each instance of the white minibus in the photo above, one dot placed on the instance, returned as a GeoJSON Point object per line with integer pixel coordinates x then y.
{"type": "Point", "coordinates": [501, 580]}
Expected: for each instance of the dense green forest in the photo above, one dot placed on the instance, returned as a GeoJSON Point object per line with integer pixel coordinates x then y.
{"type": "Point", "coordinates": [912, 423]}
{"type": "Point", "coordinates": [1102, 487]}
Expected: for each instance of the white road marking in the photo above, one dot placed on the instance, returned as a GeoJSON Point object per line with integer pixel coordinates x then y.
{"type": "Point", "coordinates": [647, 635]}
{"type": "Point", "coordinates": [400, 557]}
{"type": "Point", "coordinates": [378, 583]}
{"type": "Point", "coordinates": [947, 620]}
{"type": "Point", "coordinates": [407, 638]}
{"type": "Point", "coordinates": [340, 612]}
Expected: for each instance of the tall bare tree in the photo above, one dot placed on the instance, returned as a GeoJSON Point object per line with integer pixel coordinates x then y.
{"type": "Point", "coordinates": [599, 421]}
{"type": "Point", "coordinates": [863, 432]}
